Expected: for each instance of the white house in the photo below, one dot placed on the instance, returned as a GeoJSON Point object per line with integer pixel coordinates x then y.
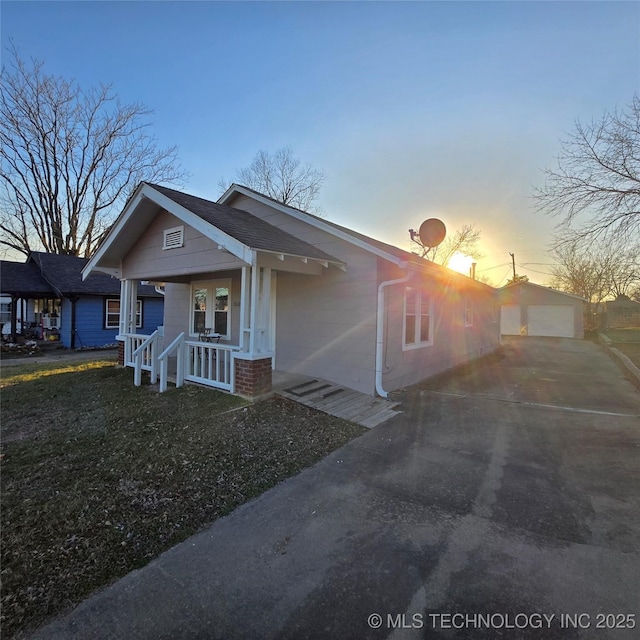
{"type": "Point", "coordinates": [282, 289]}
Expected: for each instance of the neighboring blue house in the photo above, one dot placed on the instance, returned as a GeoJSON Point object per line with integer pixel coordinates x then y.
{"type": "Point", "coordinates": [51, 301]}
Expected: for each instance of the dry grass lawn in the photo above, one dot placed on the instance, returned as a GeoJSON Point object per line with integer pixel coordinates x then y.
{"type": "Point", "coordinates": [627, 341]}
{"type": "Point", "coordinates": [99, 476]}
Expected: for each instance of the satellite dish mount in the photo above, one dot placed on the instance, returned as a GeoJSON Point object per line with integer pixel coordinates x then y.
{"type": "Point", "coordinates": [431, 233]}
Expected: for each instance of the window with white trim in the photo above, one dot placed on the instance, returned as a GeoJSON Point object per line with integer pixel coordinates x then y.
{"type": "Point", "coordinates": [112, 314]}
{"type": "Point", "coordinates": [173, 238]}
{"type": "Point", "coordinates": [5, 312]}
{"type": "Point", "coordinates": [211, 307]}
{"type": "Point", "coordinates": [418, 319]}
{"type": "Point", "coordinates": [468, 313]}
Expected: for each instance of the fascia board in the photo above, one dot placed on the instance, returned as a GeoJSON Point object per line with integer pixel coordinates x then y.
{"type": "Point", "coordinates": [547, 289]}
{"type": "Point", "coordinates": [235, 247]}
{"type": "Point", "coordinates": [115, 231]}
{"type": "Point", "coordinates": [310, 220]}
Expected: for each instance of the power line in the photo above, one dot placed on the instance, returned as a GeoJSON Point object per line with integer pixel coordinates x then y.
{"type": "Point", "coordinates": [544, 273]}
{"type": "Point", "coordinates": [504, 277]}
{"type": "Point", "coordinates": [495, 267]}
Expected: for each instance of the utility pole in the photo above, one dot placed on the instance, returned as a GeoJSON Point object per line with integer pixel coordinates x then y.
{"type": "Point", "coordinates": [513, 262]}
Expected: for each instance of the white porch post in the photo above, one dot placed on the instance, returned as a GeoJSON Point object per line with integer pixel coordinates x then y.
{"type": "Point", "coordinates": [252, 366]}
{"type": "Point", "coordinates": [128, 306]}
{"type": "Point", "coordinates": [132, 306]}
{"type": "Point", "coordinates": [124, 308]}
{"type": "Point", "coordinates": [253, 311]}
{"type": "Point", "coordinates": [244, 307]}
{"type": "Point", "coordinates": [264, 309]}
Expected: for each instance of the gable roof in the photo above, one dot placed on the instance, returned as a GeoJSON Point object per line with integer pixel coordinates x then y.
{"type": "Point", "coordinates": [539, 286]}
{"type": "Point", "coordinates": [238, 232]}
{"type": "Point", "coordinates": [383, 250]}
{"type": "Point", "coordinates": [22, 279]}
{"type": "Point", "coordinates": [50, 274]}
{"type": "Point", "coordinates": [242, 233]}
{"type": "Point", "coordinates": [252, 231]}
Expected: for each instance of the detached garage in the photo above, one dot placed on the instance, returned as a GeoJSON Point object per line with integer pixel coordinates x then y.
{"type": "Point", "coordinates": [528, 309]}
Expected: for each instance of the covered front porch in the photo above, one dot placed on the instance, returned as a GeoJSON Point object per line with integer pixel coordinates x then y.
{"type": "Point", "coordinates": [223, 337]}
{"type": "Point", "coordinates": [217, 266]}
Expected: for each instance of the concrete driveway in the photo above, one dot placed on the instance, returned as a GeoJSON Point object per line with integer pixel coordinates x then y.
{"type": "Point", "coordinates": [504, 503]}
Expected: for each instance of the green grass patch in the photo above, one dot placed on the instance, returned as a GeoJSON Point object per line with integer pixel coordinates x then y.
{"type": "Point", "coordinates": [623, 335]}
{"type": "Point", "coordinates": [100, 476]}
{"type": "Point", "coordinates": [630, 349]}
{"type": "Point", "coordinates": [627, 341]}
{"type": "Point", "coordinates": [30, 372]}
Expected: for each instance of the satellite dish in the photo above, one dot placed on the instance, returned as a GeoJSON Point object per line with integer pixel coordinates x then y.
{"type": "Point", "coordinates": [432, 232]}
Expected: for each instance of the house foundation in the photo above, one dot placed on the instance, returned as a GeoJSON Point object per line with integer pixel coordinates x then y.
{"type": "Point", "coordinates": [121, 353]}
{"type": "Point", "coordinates": [253, 378]}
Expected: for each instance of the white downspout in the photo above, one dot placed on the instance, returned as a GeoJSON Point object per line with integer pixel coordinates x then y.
{"type": "Point", "coordinates": [380, 330]}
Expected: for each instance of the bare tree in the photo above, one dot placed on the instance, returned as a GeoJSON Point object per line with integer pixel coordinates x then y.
{"type": "Point", "coordinates": [283, 177]}
{"type": "Point", "coordinates": [465, 240]}
{"type": "Point", "coordinates": [69, 158]}
{"type": "Point", "coordinates": [596, 185]}
{"type": "Point", "coordinates": [597, 272]}
{"type": "Point", "coordinates": [517, 278]}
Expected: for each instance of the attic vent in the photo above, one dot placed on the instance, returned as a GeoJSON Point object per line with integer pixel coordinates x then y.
{"type": "Point", "coordinates": [173, 238]}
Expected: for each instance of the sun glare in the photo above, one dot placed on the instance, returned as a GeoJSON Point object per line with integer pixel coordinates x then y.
{"type": "Point", "coordinates": [460, 262]}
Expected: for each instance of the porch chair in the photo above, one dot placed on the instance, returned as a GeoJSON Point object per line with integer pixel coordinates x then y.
{"type": "Point", "coordinates": [206, 335]}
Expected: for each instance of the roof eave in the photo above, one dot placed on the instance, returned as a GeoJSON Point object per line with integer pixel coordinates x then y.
{"type": "Point", "coordinates": [309, 219]}
{"type": "Point", "coordinates": [144, 190]}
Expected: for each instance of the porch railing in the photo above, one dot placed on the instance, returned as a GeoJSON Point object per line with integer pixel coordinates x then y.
{"type": "Point", "coordinates": [163, 360]}
{"type": "Point", "coordinates": [210, 364]}
{"type": "Point", "coordinates": [144, 356]}
{"type": "Point", "coordinates": [203, 362]}
{"type": "Point", "coordinates": [131, 342]}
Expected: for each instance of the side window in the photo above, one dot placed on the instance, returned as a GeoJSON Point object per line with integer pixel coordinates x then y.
{"type": "Point", "coordinates": [418, 319]}
{"type": "Point", "coordinates": [112, 313]}
{"type": "Point", "coordinates": [468, 313]}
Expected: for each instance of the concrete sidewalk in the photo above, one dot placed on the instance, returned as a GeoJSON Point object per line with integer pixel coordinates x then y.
{"type": "Point", "coordinates": [505, 491]}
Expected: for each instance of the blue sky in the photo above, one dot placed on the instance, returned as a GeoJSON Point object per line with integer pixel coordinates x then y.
{"type": "Point", "coordinates": [412, 110]}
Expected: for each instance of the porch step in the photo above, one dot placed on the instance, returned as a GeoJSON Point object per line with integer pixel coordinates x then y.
{"type": "Point", "coordinates": [340, 402]}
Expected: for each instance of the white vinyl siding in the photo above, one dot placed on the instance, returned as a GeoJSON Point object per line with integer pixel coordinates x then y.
{"type": "Point", "coordinates": [510, 320]}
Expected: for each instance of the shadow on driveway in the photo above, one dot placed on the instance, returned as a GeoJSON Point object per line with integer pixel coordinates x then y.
{"type": "Point", "coordinates": [503, 503]}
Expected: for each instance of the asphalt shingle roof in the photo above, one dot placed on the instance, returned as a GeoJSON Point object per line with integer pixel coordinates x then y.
{"type": "Point", "coordinates": [383, 246]}
{"type": "Point", "coordinates": [252, 231]}
{"type": "Point", "coordinates": [22, 279]}
{"type": "Point", "coordinates": [64, 274]}
{"type": "Point", "coordinates": [50, 274]}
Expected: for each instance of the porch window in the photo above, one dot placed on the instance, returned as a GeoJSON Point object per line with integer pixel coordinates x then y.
{"type": "Point", "coordinates": [112, 314]}
{"type": "Point", "coordinates": [211, 307]}
{"type": "Point", "coordinates": [418, 319]}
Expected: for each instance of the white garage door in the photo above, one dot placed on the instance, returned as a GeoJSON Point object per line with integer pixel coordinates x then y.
{"type": "Point", "coordinates": [551, 320]}
{"type": "Point", "coordinates": [510, 319]}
